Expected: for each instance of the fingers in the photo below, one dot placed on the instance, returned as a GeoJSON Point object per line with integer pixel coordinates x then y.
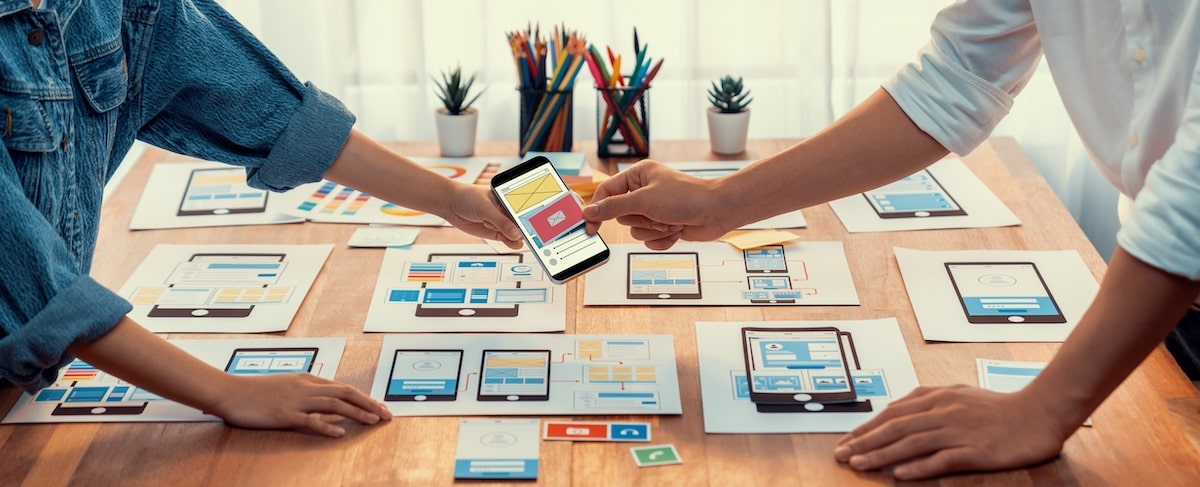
{"type": "Point", "coordinates": [314, 423]}
{"type": "Point", "coordinates": [940, 463]}
{"type": "Point", "coordinates": [898, 441]}
{"type": "Point", "coordinates": [365, 409]}
{"type": "Point", "coordinates": [898, 408]}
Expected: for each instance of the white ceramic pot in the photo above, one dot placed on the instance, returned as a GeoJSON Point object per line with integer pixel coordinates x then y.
{"type": "Point", "coordinates": [456, 133]}
{"type": "Point", "coordinates": [727, 131]}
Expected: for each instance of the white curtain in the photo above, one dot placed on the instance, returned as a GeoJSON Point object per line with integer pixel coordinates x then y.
{"type": "Point", "coordinates": [805, 62]}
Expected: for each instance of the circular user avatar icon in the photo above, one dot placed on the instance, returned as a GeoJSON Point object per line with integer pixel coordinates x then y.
{"type": "Point", "coordinates": [499, 439]}
{"type": "Point", "coordinates": [997, 280]}
{"type": "Point", "coordinates": [427, 365]}
{"type": "Point", "coordinates": [774, 346]}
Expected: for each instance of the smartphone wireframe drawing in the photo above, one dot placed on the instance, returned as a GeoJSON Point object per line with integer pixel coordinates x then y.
{"type": "Point", "coordinates": [550, 217]}
{"type": "Point", "coordinates": [424, 375]}
{"type": "Point", "coordinates": [84, 390]}
{"type": "Point", "coordinates": [765, 260]}
{"type": "Point", "coordinates": [1003, 292]}
{"type": "Point", "coordinates": [663, 275]}
{"type": "Point", "coordinates": [775, 289]}
{"type": "Point", "coordinates": [220, 191]}
{"type": "Point", "coordinates": [471, 285]}
{"type": "Point", "coordinates": [192, 288]}
{"type": "Point", "coordinates": [796, 365]}
{"type": "Point", "coordinates": [264, 361]}
{"type": "Point", "coordinates": [859, 405]}
{"type": "Point", "coordinates": [514, 375]}
{"type": "Point", "coordinates": [917, 196]}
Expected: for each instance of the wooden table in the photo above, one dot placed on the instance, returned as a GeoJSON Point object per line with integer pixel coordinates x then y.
{"type": "Point", "coordinates": [1145, 433]}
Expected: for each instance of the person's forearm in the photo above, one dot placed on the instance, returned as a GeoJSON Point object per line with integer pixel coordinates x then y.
{"type": "Point", "coordinates": [368, 166]}
{"type": "Point", "coordinates": [1137, 307]}
{"type": "Point", "coordinates": [142, 358]}
{"type": "Point", "coordinates": [875, 144]}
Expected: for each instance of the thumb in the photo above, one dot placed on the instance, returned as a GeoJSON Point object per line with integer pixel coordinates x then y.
{"type": "Point", "coordinates": [614, 206]}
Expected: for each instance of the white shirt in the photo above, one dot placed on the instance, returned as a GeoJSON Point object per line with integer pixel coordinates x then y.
{"type": "Point", "coordinates": [1126, 71]}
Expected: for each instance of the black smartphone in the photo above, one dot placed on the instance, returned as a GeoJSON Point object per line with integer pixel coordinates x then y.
{"type": "Point", "coordinates": [514, 375]}
{"type": "Point", "coordinates": [263, 361]}
{"type": "Point", "coordinates": [917, 196]}
{"type": "Point", "coordinates": [1003, 292]}
{"type": "Point", "coordinates": [797, 365]}
{"type": "Point", "coordinates": [663, 275]}
{"type": "Point", "coordinates": [221, 286]}
{"type": "Point", "coordinates": [465, 285]}
{"type": "Point", "coordinates": [550, 217]}
{"type": "Point", "coordinates": [424, 375]}
{"type": "Point", "coordinates": [220, 191]}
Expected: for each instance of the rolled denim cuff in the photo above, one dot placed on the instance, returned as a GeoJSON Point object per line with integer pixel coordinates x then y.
{"type": "Point", "coordinates": [31, 356]}
{"type": "Point", "coordinates": [311, 142]}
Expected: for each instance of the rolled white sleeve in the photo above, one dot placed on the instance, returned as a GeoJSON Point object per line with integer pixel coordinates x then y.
{"type": "Point", "coordinates": [1164, 228]}
{"type": "Point", "coordinates": [962, 83]}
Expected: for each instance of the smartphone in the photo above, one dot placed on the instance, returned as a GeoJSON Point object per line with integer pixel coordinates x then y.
{"type": "Point", "coordinates": [1003, 292]}
{"type": "Point", "coordinates": [917, 196]}
{"type": "Point", "coordinates": [765, 260]}
{"type": "Point", "coordinates": [263, 361]}
{"type": "Point", "coordinates": [663, 275]}
{"type": "Point", "coordinates": [470, 285]}
{"type": "Point", "coordinates": [776, 289]}
{"type": "Point", "coordinates": [220, 191]}
{"type": "Point", "coordinates": [424, 375]}
{"type": "Point", "coordinates": [797, 365]}
{"type": "Point", "coordinates": [84, 390]}
{"type": "Point", "coordinates": [514, 375]}
{"type": "Point", "coordinates": [550, 217]}
{"type": "Point", "coordinates": [220, 286]}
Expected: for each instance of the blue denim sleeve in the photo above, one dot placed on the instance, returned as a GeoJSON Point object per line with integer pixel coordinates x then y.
{"type": "Point", "coordinates": [211, 90]}
{"type": "Point", "coordinates": [42, 316]}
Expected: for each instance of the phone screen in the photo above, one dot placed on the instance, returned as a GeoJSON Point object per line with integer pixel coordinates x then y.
{"type": "Point", "coordinates": [765, 260]}
{"type": "Point", "coordinates": [663, 275]}
{"type": "Point", "coordinates": [1003, 292]}
{"type": "Point", "coordinates": [424, 375]}
{"type": "Point", "coordinates": [918, 195]}
{"type": "Point", "coordinates": [790, 365]}
{"type": "Point", "coordinates": [219, 191]}
{"type": "Point", "coordinates": [515, 375]}
{"type": "Point", "coordinates": [470, 284]}
{"type": "Point", "coordinates": [263, 361]}
{"type": "Point", "coordinates": [550, 217]}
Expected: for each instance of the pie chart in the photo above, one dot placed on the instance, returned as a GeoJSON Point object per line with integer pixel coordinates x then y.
{"type": "Point", "coordinates": [396, 210]}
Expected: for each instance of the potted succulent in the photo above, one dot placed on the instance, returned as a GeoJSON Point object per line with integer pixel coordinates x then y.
{"type": "Point", "coordinates": [729, 115]}
{"type": "Point", "coordinates": [456, 120]}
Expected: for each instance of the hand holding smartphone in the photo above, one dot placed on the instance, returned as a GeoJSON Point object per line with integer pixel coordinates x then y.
{"type": "Point", "coordinates": [550, 217]}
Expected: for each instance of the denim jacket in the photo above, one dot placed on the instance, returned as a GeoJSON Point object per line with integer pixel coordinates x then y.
{"type": "Point", "coordinates": [79, 81]}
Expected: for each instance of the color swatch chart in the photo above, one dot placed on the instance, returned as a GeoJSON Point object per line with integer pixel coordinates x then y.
{"type": "Point", "coordinates": [330, 202]}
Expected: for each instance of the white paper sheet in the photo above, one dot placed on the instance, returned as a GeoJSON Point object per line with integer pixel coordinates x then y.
{"type": "Point", "coordinates": [163, 203]}
{"type": "Point", "coordinates": [84, 394]}
{"type": "Point", "coordinates": [222, 288]}
{"type": "Point", "coordinates": [716, 274]}
{"type": "Point", "coordinates": [1010, 375]}
{"type": "Point", "coordinates": [465, 287]}
{"type": "Point", "coordinates": [329, 202]}
{"type": "Point", "coordinates": [713, 169]}
{"type": "Point", "coordinates": [982, 207]}
{"type": "Point", "coordinates": [589, 374]}
{"type": "Point", "coordinates": [942, 316]}
{"type": "Point", "coordinates": [883, 362]}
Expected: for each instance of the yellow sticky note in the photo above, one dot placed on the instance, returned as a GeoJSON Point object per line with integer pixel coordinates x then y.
{"type": "Point", "coordinates": [748, 239]}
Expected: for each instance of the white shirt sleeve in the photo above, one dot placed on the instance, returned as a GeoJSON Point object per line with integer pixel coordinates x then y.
{"type": "Point", "coordinates": [1164, 228]}
{"type": "Point", "coordinates": [981, 54]}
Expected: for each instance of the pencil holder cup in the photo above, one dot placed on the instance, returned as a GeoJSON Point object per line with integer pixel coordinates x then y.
{"type": "Point", "coordinates": [546, 120]}
{"type": "Point", "coordinates": [623, 121]}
